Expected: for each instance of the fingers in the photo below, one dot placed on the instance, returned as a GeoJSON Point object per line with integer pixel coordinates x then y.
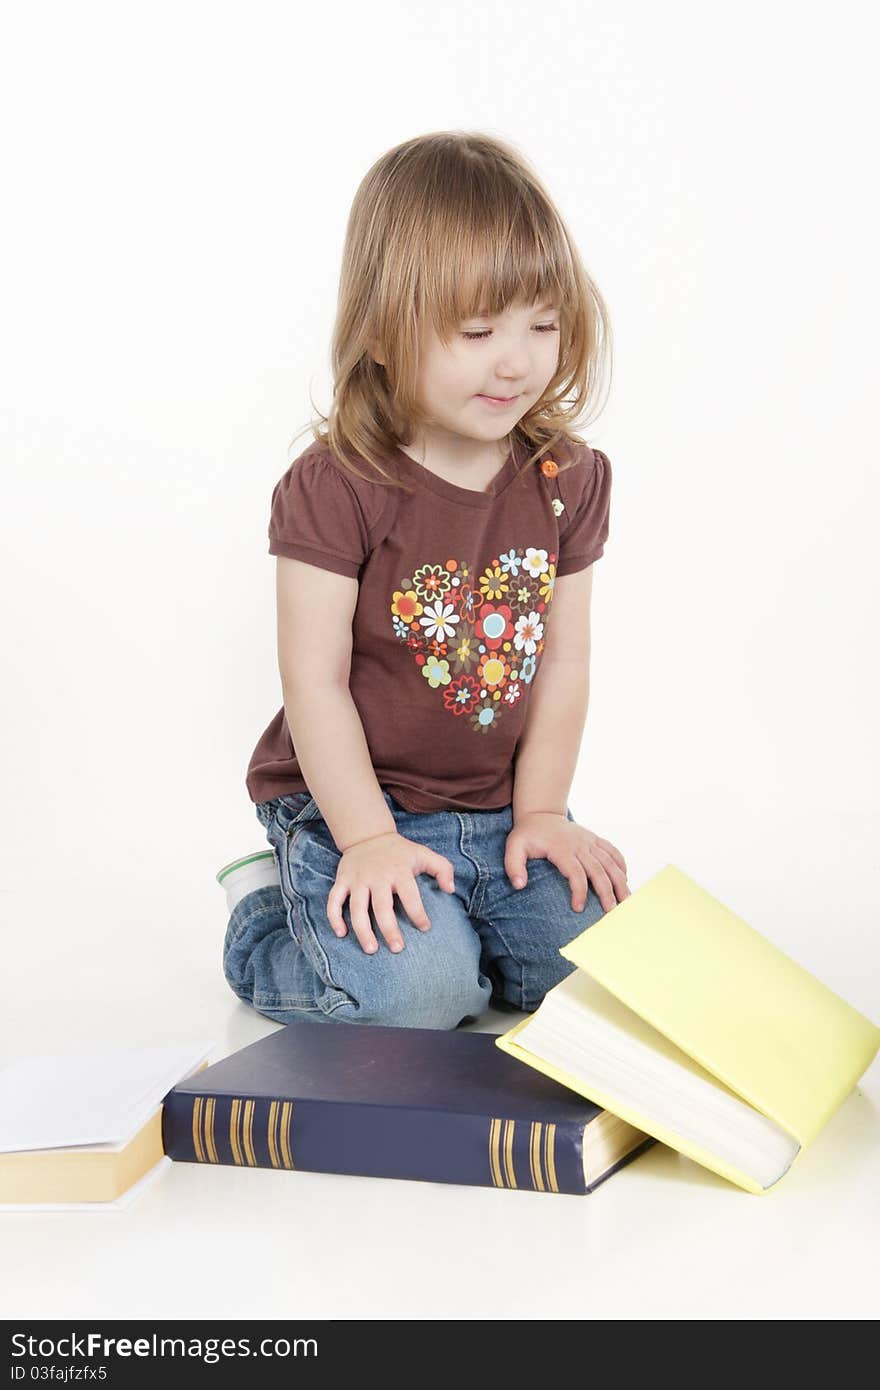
{"type": "Point", "coordinates": [335, 898]}
{"type": "Point", "coordinates": [411, 900]}
{"type": "Point", "coordinates": [613, 851]}
{"type": "Point", "coordinates": [441, 868]}
{"type": "Point", "coordinates": [383, 910]}
{"type": "Point", "coordinates": [574, 871]}
{"type": "Point", "coordinates": [601, 881]}
{"type": "Point", "coordinates": [589, 868]}
{"type": "Point", "coordinates": [607, 878]}
{"type": "Point", "coordinates": [359, 907]}
{"type": "Point", "coordinates": [615, 868]}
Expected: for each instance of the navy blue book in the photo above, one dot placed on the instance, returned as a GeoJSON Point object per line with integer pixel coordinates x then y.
{"type": "Point", "coordinates": [422, 1103]}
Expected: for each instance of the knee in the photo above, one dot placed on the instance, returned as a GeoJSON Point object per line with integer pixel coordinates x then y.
{"type": "Point", "coordinates": [546, 967]}
{"type": "Point", "coordinates": [418, 994]}
{"type": "Point", "coordinates": [543, 976]}
{"type": "Point", "coordinates": [256, 919]}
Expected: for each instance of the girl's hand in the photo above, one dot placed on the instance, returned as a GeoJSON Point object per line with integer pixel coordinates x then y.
{"type": "Point", "coordinates": [377, 868]}
{"type": "Point", "coordinates": [579, 855]}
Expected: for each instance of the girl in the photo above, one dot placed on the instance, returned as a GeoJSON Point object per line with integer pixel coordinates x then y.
{"type": "Point", "coordinates": [434, 553]}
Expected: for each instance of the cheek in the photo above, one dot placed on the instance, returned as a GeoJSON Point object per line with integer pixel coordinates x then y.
{"type": "Point", "coordinates": [552, 358]}
{"type": "Point", "coordinates": [450, 378]}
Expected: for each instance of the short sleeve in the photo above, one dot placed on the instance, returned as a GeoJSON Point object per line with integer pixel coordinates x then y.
{"type": "Point", "coordinates": [586, 495]}
{"type": "Point", "coordinates": [318, 515]}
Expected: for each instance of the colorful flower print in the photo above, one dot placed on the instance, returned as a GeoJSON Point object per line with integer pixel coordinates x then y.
{"type": "Point", "coordinates": [477, 641]}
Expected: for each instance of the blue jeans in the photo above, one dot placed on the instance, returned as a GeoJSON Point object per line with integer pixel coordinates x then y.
{"type": "Point", "coordinates": [488, 942]}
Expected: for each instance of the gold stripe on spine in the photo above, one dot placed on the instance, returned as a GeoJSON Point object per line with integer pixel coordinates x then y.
{"type": "Point", "coordinates": [286, 1117]}
{"type": "Point", "coordinates": [535, 1156]}
{"type": "Point", "coordinates": [233, 1132]}
{"type": "Point", "coordinates": [509, 1126]}
{"type": "Point", "coordinates": [197, 1129]}
{"type": "Point", "coordinates": [550, 1157]}
{"type": "Point", "coordinates": [248, 1133]}
{"type": "Point", "coordinates": [494, 1160]}
{"type": "Point", "coordinates": [209, 1130]}
{"type": "Point", "coordinates": [273, 1147]}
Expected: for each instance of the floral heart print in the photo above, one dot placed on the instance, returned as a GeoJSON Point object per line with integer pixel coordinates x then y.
{"type": "Point", "coordinates": [477, 638]}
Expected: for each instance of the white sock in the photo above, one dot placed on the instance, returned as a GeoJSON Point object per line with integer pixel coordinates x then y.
{"type": "Point", "coordinates": [260, 873]}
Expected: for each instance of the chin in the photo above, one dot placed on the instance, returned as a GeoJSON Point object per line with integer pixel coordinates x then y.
{"type": "Point", "coordinates": [487, 429]}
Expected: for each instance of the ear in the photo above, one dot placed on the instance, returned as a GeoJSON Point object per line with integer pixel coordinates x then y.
{"type": "Point", "coordinates": [376, 351]}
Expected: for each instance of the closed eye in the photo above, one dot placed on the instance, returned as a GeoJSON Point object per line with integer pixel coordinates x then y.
{"type": "Point", "coordinates": [539, 328]}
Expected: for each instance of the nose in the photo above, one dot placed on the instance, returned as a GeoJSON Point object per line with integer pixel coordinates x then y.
{"type": "Point", "coordinates": [511, 377]}
{"type": "Point", "coordinates": [512, 368]}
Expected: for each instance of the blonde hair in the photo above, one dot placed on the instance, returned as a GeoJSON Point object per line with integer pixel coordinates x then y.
{"type": "Point", "coordinates": [442, 227]}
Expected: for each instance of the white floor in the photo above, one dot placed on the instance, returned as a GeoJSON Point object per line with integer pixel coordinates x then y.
{"type": "Point", "coordinates": [97, 951]}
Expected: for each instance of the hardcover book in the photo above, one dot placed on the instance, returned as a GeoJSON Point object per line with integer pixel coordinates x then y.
{"type": "Point", "coordinates": [692, 1026]}
{"type": "Point", "coordinates": [85, 1130]}
{"type": "Point", "coordinates": [420, 1103]}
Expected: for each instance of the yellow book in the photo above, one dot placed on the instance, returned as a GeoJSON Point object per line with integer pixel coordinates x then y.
{"type": "Point", "coordinates": [88, 1173]}
{"type": "Point", "coordinates": [689, 1024]}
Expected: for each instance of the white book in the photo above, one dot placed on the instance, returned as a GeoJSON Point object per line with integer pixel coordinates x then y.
{"type": "Point", "coordinates": [81, 1131]}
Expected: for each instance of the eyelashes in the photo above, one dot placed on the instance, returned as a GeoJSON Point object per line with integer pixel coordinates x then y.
{"type": "Point", "coordinates": [539, 328]}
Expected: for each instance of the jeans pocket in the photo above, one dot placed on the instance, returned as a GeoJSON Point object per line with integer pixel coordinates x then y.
{"type": "Point", "coordinates": [265, 811]}
{"type": "Point", "coordinates": [287, 812]}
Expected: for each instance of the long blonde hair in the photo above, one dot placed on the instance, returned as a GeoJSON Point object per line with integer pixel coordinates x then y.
{"type": "Point", "coordinates": [442, 227]}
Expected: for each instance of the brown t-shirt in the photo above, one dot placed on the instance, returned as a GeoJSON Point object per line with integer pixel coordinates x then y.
{"type": "Point", "coordinates": [455, 588]}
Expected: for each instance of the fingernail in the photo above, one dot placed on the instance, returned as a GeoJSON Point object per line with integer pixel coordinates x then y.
{"type": "Point", "coordinates": [518, 882]}
{"type": "Point", "coordinates": [397, 945]}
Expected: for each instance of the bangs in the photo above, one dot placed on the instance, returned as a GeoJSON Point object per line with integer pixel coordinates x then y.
{"type": "Point", "coordinates": [498, 257]}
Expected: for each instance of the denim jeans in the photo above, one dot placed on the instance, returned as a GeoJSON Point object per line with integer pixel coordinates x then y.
{"type": "Point", "coordinates": [489, 943]}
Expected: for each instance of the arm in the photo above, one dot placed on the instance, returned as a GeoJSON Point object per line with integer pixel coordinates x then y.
{"type": "Point", "coordinates": [547, 751]}
{"type": "Point", "coordinates": [324, 723]}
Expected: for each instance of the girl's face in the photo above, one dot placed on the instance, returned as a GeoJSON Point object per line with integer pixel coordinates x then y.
{"type": "Point", "coordinates": [513, 355]}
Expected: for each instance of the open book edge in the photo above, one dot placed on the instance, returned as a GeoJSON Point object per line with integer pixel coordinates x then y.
{"type": "Point", "coordinates": [608, 1139]}
{"type": "Point", "coordinates": [585, 1037]}
{"type": "Point", "coordinates": [92, 1100]}
{"type": "Point", "coordinates": [120, 1203]}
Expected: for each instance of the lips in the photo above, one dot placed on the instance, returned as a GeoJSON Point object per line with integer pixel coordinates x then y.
{"type": "Point", "coordinates": [500, 400]}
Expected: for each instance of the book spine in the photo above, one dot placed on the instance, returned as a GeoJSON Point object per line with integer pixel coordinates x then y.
{"type": "Point", "coordinates": [374, 1141]}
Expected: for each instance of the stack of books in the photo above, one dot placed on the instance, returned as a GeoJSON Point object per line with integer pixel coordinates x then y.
{"type": "Point", "coordinates": [680, 1024]}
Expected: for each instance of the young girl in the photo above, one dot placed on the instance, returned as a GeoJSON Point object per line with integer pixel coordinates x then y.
{"type": "Point", "coordinates": [434, 552]}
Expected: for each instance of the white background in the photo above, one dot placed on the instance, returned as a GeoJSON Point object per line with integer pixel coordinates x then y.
{"type": "Point", "coordinates": [177, 179]}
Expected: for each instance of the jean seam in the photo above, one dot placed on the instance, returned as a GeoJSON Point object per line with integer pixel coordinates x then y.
{"type": "Point", "coordinates": [295, 902]}
{"type": "Point", "coordinates": [479, 888]}
{"type": "Point", "coordinates": [511, 955]}
{"type": "Point", "coordinates": [325, 972]}
{"type": "Point", "coordinates": [299, 910]}
{"type": "Point", "coordinates": [280, 1001]}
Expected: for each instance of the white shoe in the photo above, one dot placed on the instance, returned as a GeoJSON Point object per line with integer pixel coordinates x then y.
{"type": "Point", "coordinates": [242, 876]}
